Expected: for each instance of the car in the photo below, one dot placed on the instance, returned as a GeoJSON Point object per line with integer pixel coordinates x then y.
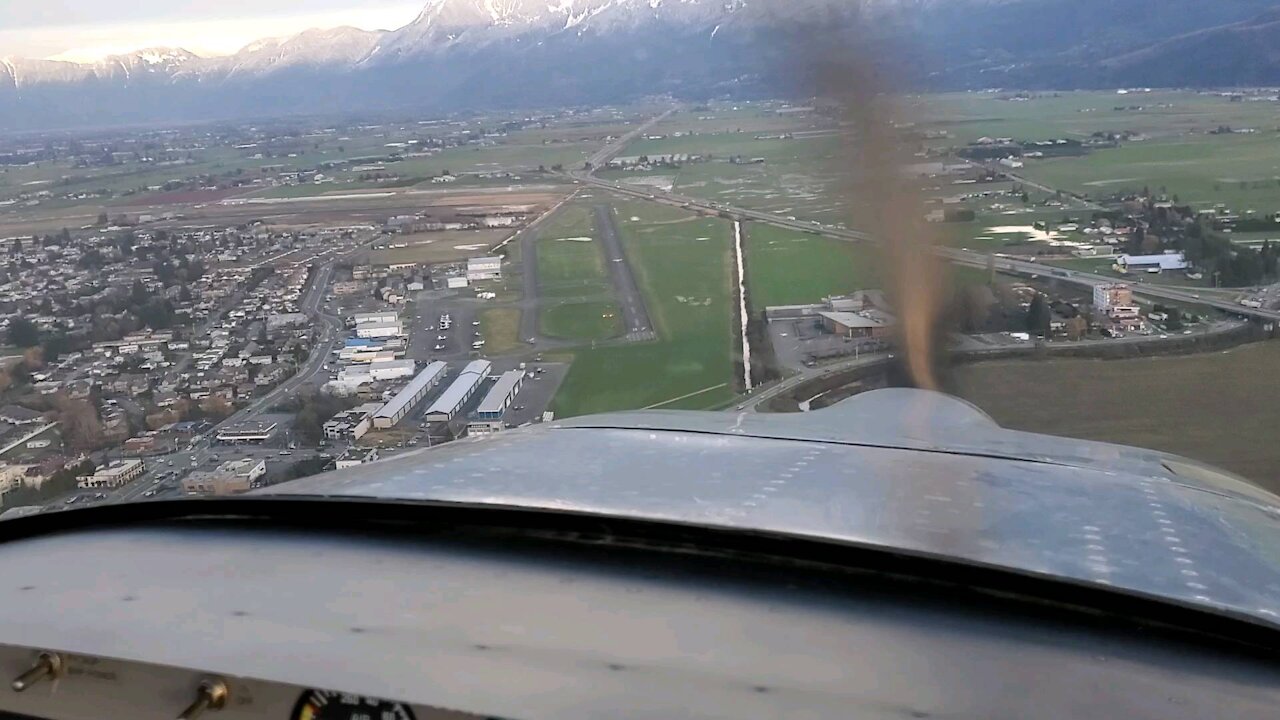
{"type": "Point", "coordinates": [170, 462]}
{"type": "Point", "coordinates": [285, 452]}
{"type": "Point", "coordinates": [149, 493]}
{"type": "Point", "coordinates": [442, 337]}
{"type": "Point", "coordinates": [518, 408]}
{"type": "Point", "coordinates": [438, 347]}
{"type": "Point", "coordinates": [475, 323]}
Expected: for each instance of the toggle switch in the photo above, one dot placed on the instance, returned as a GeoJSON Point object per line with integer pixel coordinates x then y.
{"type": "Point", "coordinates": [211, 695]}
{"type": "Point", "coordinates": [47, 667]}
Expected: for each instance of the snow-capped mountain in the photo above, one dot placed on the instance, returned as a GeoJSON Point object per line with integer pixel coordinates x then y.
{"type": "Point", "coordinates": [478, 53]}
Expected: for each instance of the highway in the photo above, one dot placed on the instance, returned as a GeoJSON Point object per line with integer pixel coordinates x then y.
{"type": "Point", "coordinates": [607, 153]}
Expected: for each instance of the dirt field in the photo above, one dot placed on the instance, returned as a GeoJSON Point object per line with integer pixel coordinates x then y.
{"type": "Point", "coordinates": [1220, 408]}
{"type": "Point", "coordinates": [181, 197]}
{"type": "Point", "coordinates": [438, 247]}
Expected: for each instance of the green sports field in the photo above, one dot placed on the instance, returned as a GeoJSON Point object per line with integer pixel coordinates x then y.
{"type": "Point", "coordinates": [681, 264]}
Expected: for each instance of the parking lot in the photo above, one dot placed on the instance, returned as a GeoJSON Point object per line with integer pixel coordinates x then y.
{"type": "Point", "coordinates": [801, 343]}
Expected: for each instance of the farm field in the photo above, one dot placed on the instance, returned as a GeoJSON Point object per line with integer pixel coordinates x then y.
{"type": "Point", "coordinates": [1241, 171]}
{"type": "Point", "coordinates": [1046, 116]}
{"type": "Point", "coordinates": [1145, 402]}
{"type": "Point", "coordinates": [798, 175]}
{"type": "Point", "coordinates": [681, 263]}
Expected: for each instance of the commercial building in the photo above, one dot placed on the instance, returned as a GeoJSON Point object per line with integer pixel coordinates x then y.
{"type": "Point", "coordinates": [229, 478]}
{"type": "Point", "coordinates": [1106, 296]}
{"type": "Point", "coordinates": [379, 329]}
{"type": "Point", "coordinates": [862, 324]}
{"type": "Point", "coordinates": [247, 431]}
{"type": "Point", "coordinates": [484, 268]}
{"type": "Point", "coordinates": [351, 424]}
{"type": "Point", "coordinates": [499, 398]}
{"type": "Point", "coordinates": [379, 316]}
{"type": "Point", "coordinates": [356, 456]}
{"type": "Point", "coordinates": [1115, 301]}
{"type": "Point", "coordinates": [398, 407]}
{"type": "Point", "coordinates": [450, 402]}
{"type": "Point", "coordinates": [484, 427]}
{"type": "Point", "coordinates": [114, 475]}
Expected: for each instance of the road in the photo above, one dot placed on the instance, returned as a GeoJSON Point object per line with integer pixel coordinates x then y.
{"type": "Point", "coordinates": [608, 152]}
{"type": "Point", "coordinates": [635, 316]}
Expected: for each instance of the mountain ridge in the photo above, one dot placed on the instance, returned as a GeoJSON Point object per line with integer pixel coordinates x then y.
{"type": "Point", "coordinates": [473, 54]}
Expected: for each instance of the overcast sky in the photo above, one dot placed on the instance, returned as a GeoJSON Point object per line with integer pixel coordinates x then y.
{"type": "Point", "coordinates": [91, 29]}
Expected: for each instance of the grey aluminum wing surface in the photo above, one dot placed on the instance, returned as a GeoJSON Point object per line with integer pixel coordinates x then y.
{"type": "Point", "coordinates": [906, 470]}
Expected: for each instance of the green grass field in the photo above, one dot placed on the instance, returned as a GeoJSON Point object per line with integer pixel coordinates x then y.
{"type": "Point", "coordinates": [571, 266]}
{"type": "Point", "coordinates": [583, 321]}
{"type": "Point", "coordinates": [500, 328]}
{"type": "Point", "coordinates": [785, 267]}
{"type": "Point", "coordinates": [570, 260]}
{"type": "Point", "coordinates": [1210, 407]}
{"type": "Point", "coordinates": [686, 283]}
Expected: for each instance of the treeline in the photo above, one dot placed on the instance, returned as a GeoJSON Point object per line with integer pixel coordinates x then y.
{"type": "Point", "coordinates": [1233, 264]}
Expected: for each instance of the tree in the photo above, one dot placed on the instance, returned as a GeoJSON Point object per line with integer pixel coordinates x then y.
{"type": "Point", "coordinates": [215, 407]}
{"type": "Point", "coordinates": [1077, 327]}
{"type": "Point", "coordinates": [23, 333]}
{"type": "Point", "coordinates": [80, 425]}
{"type": "Point", "coordinates": [139, 295]}
{"type": "Point", "coordinates": [1038, 316]}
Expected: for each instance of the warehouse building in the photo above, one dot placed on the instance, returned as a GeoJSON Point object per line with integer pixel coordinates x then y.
{"type": "Point", "coordinates": [380, 316]}
{"type": "Point", "coordinates": [500, 396]}
{"type": "Point", "coordinates": [484, 268]}
{"type": "Point", "coordinates": [379, 329]}
{"type": "Point", "coordinates": [398, 407]}
{"type": "Point", "coordinates": [450, 402]}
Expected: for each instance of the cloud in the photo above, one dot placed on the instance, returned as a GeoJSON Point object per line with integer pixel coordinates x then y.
{"type": "Point", "coordinates": [85, 42]}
